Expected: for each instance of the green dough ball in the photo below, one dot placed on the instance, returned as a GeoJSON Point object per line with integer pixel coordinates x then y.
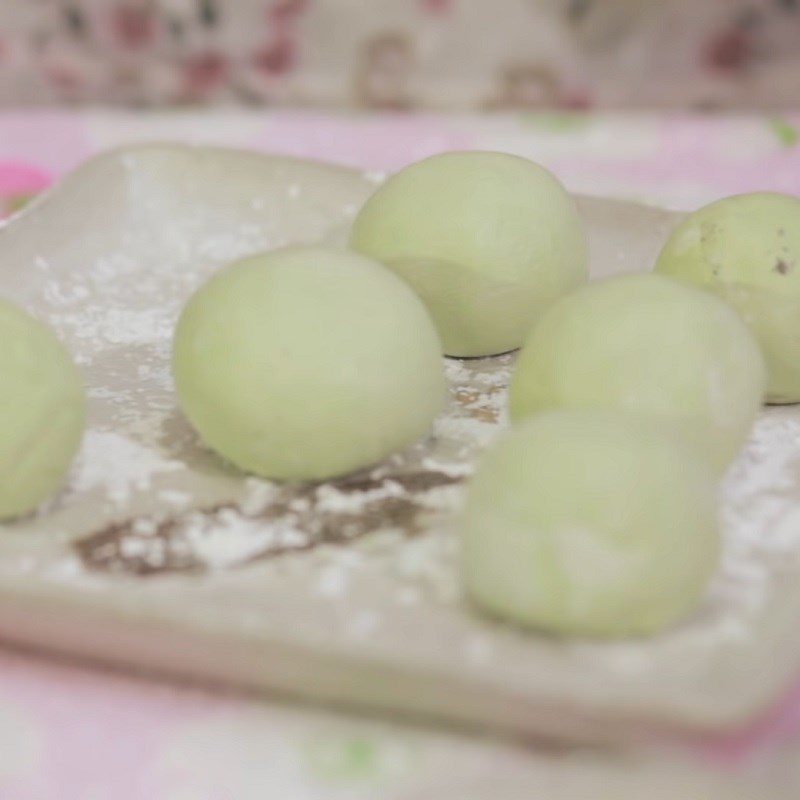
{"type": "Point", "coordinates": [487, 240]}
{"type": "Point", "coordinates": [652, 345]}
{"type": "Point", "coordinates": [306, 363]}
{"type": "Point", "coordinates": [42, 411]}
{"type": "Point", "coordinates": [746, 249]}
{"type": "Point", "coordinates": [590, 522]}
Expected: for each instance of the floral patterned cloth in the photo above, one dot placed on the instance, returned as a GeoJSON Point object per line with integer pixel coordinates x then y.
{"type": "Point", "coordinates": [403, 53]}
{"type": "Point", "coordinates": [68, 733]}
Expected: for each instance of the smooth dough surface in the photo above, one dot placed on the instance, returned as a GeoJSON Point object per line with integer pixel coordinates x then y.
{"type": "Point", "coordinates": [648, 344]}
{"type": "Point", "coordinates": [487, 240]}
{"type": "Point", "coordinates": [591, 523]}
{"type": "Point", "coordinates": [305, 363]}
{"type": "Point", "coordinates": [746, 249]}
{"type": "Point", "coordinates": [42, 411]}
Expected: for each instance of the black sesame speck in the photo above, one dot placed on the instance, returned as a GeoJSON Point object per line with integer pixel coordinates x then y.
{"type": "Point", "coordinates": [782, 267]}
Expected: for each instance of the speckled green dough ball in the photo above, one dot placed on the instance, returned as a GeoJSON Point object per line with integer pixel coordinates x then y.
{"type": "Point", "coordinates": [647, 344]}
{"type": "Point", "coordinates": [590, 522]}
{"type": "Point", "coordinates": [746, 249]}
{"type": "Point", "coordinates": [307, 363]}
{"type": "Point", "coordinates": [487, 240]}
{"type": "Point", "coordinates": [42, 411]}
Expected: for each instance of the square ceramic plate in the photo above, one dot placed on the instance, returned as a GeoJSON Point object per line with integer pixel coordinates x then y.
{"type": "Point", "coordinates": [158, 557]}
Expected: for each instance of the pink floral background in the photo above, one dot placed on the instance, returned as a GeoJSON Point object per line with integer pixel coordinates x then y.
{"type": "Point", "coordinates": [73, 733]}
{"type": "Point", "coordinates": [434, 54]}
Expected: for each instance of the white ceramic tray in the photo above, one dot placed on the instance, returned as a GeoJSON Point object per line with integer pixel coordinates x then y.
{"type": "Point", "coordinates": [158, 557]}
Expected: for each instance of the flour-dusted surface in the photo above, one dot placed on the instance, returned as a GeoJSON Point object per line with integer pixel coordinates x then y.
{"type": "Point", "coordinates": [405, 497]}
{"type": "Point", "coordinates": [157, 555]}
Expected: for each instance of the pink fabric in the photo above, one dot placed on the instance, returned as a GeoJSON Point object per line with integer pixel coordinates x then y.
{"type": "Point", "coordinates": [381, 142]}
{"type": "Point", "coordinates": [779, 726]}
{"type": "Point", "coordinates": [68, 732]}
{"type": "Point", "coordinates": [699, 150]}
{"type": "Point", "coordinates": [87, 734]}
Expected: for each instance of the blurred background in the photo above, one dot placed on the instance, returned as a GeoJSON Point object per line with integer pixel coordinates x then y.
{"type": "Point", "coordinates": [401, 54]}
{"type": "Point", "coordinates": [673, 102]}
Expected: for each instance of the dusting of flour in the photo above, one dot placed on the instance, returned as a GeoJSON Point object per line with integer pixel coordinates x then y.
{"type": "Point", "coordinates": [117, 465]}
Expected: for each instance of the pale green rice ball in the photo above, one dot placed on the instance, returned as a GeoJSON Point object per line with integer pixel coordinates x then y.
{"type": "Point", "coordinates": [746, 249]}
{"type": "Point", "coordinates": [307, 363]}
{"type": "Point", "coordinates": [592, 523]}
{"type": "Point", "coordinates": [42, 411]}
{"type": "Point", "coordinates": [647, 344]}
{"type": "Point", "coordinates": [487, 240]}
